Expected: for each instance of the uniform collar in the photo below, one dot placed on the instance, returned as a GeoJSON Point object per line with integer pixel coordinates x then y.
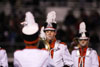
{"type": "Point", "coordinates": [83, 51]}
{"type": "Point", "coordinates": [31, 47]}
{"type": "Point", "coordinates": [53, 43]}
{"type": "Point", "coordinates": [88, 51]}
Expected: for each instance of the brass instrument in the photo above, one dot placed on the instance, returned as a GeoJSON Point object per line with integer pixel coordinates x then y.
{"type": "Point", "coordinates": [43, 44]}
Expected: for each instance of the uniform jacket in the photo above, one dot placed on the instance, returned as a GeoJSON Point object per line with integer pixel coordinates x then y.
{"type": "Point", "coordinates": [3, 58]}
{"type": "Point", "coordinates": [31, 57]}
{"type": "Point", "coordinates": [99, 60]}
{"type": "Point", "coordinates": [61, 55]}
{"type": "Point", "coordinates": [91, 58]}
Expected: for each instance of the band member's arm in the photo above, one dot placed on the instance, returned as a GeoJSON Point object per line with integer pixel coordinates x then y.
{"type": "Point", "coordinates": [3, 59]}
{"type": "Point", "coordinates": [73, 57]}
{"type": "Point", "coordinates": [66, 56]}
{"type": "Point", "coordinates": [16, 62]}
{"type": "Point", "coordinates": [94, 56]}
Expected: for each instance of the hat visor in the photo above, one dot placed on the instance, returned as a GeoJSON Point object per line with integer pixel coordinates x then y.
{"type": "Point", "coordinates": [83, 38]}
{"type": "Point", "coordinates": [49, 29]}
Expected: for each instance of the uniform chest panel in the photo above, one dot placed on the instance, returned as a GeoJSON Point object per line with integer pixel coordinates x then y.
{"type": "Point", "coordinates": [88, 60]}
{"type": "Point", "coordinates": [57, 54]}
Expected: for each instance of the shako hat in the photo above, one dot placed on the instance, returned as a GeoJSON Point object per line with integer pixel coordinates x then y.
{"type": "Point", "coordinates": [83, 34]}
{"type": "Point", "coordinates": [30, 31]}
{"type": "Point", "coordinates": [50, 22]}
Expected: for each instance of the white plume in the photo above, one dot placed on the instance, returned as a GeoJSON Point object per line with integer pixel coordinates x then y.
{"type": "Point", "coordinates": [29, 19]}
{"type": "Point", "coordinates": [82, 28]}
{"type": "Point", "coordinates": [51, 17]}
{"type": "Point", "coordinates": [42, 34]}
{"type": "Point", "coordinates": [30, 26]}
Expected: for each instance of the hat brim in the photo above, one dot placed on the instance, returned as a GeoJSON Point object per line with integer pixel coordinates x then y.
{"type": "Point", "coordinates": [30, 30]}
{"type": "Point", "coordinates": [49, 29]}
{"type": "Point", "coordinates": [83, 37]}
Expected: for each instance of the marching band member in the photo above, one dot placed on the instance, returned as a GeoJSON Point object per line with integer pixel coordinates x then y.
{"type": "Point", "coordinates": [84, 56]}
{"type": "Point", "coordinates": [3, 58]}
{"type": "Point", "coordinates": [31, 56]}
{"type": "Point", "coordinates": [58, 50]}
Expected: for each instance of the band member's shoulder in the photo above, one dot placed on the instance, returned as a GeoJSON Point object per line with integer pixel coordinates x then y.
{"type": "Point", "coordinates": [63, 43]}
{"type": "Point", "coordinates": [17, 51]}
{"type": "Point", "coordinates": [75, 52]}
{"type": "Point", "coordinates": [92, 51]}
{"type": "Point", "coordinates": [44, 49]}
{"type": "Point", "coordinates": [2, 48]}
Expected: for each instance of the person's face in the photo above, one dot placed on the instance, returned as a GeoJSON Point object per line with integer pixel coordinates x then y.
{"type": "Point", "coordinates": [83, 42]}
{"type": "Point", "coordinates": [50, 35]}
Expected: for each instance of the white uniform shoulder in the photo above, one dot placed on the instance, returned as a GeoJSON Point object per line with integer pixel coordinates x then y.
{"type": "Point", "coordinates": [20, 52]}
{"type": "Point", "coordinates": [63, 44]}
{"type": "Point", "coordinates": [21, 57]}
{"type": "Point", "coordinates": [44, 51]}
{"type": "Point", "coordinates": [17, 52]}
{"type": "Point", "coordinates": [2, 51]}
{"type": "Point", "coordinates": [3, 58]}
{"type": "Point", "coordinates": [92, 51]}
{"type": "Point", "coordinates": [94, 58]}
{"type": "Point", "coordinates": [74, 51]}
{"type": "Point", "coordinates": [60, 45]}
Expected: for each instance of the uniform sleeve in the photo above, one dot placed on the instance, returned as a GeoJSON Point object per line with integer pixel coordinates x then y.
{"type": "Point", "coordinates": [16, 62]}
{"type": "Point", "coordinates": [94, 57]}
{"type": "Point", "coordinates": [3, 58]}
{"type": "Point", "coordinates": [66, 56]}
{"type": "Point", "coordinates": [72, 55]}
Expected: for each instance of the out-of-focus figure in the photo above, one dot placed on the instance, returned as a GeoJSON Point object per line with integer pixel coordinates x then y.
{"type": "Point", "coordinates": [3, 58]}
{"type": "Point", "coordinates": [84, 56]}
{"type": "Point", "coordinates": [31, 56]}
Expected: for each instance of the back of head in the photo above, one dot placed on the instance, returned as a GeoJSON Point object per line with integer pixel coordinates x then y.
{"type": "Point", "coordinates": [30, 30]}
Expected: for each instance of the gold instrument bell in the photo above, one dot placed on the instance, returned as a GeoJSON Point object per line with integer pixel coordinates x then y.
{"type": "Point", "coordinates": [43, 44]}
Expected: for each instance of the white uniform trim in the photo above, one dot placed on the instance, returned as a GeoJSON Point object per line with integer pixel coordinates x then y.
{"type": "Point", "coordinates": [87, 52]}
{"type": "Point", "coordinates": [91, 58]}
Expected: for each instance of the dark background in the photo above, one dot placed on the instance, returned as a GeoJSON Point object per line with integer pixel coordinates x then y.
{"type": "Point", "coordinates": [69, 15]}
